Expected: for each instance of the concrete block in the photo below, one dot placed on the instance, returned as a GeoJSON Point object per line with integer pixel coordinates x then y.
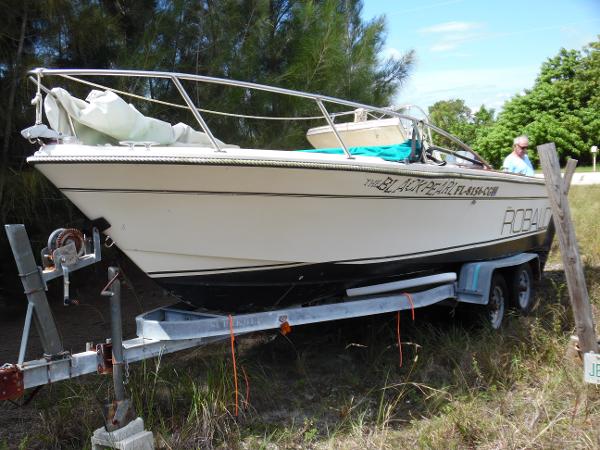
{"type": "Point", "coordinates": [130, 437]}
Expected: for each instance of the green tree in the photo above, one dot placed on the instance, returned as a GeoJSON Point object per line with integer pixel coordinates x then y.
{"type": "Point", "coordinates": [316, 45]}
{"type": "Point", "coordinates": [562, 107]}
{"type": "Point", "coordinates": [446, 114]}
{"type": "Point", "coordinates": [457, 118]}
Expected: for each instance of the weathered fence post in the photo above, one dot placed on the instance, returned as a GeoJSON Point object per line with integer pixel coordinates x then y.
{"type": "Point", "coordinates": [551, 231]}
{"type": "Point", "coordinates": [561, 214]}
{"type": "Point", "coordinates": [569, 171]}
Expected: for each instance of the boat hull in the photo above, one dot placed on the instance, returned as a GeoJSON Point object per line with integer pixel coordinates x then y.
{"type": "Point", "coordinates": [269, 288]}
{"type": "Point", "coordinates": [243, 232]}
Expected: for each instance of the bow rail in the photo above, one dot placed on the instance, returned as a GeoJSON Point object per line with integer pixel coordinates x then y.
{"type": "Point", "coordinates": [418, 124]}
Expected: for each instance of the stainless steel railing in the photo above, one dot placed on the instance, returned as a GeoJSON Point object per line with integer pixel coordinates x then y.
{"type": "Point", "coordinates": [176, 79]}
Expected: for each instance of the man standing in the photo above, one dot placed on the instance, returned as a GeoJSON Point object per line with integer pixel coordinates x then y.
{"type": "Point", "coordinates": [517, 161]}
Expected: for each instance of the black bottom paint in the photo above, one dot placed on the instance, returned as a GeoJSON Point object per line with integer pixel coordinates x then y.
{"type": "Point", "coordinates": [275, 288]}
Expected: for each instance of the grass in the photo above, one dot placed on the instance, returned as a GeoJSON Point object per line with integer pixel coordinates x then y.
{"type": "Point", "coordinates": [584, 203]}
{"type": "Point", "coordinates": [339, 386]}
{"type": "Point", "coordinates": [578, 169]}
{"type": "Point", "coordinates": [587, 168]}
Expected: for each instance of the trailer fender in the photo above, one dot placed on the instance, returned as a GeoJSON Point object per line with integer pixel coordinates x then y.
{"type": "Point", "coordinates": [475, 278]}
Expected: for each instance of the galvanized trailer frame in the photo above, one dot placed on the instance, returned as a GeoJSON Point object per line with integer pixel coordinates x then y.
{"type": "Point", "coordinates": [167, 329]}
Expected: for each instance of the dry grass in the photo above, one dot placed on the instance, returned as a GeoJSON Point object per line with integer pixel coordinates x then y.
{"type": "Point", "coordinates": [338, 386]}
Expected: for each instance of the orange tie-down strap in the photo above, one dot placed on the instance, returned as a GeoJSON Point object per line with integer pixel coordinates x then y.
{"type": "Point", "coordinates": [285, 328]}
{"type": "Point", "coordinates": [235, 375]}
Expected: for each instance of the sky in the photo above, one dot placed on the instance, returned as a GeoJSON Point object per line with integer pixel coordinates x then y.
{"type": "Point", "coordinates": [481, 51]}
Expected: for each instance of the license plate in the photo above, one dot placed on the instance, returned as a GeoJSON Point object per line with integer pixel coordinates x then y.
{"type": "Point", "coordinates": [591, 368]}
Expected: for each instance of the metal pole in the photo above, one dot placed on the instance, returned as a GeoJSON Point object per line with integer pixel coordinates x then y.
{"type": "Point", "coordinates": [195, 112]}
{"type": "Point", "coordinates": [25, 337]}
{"type": "Point", "coordinates": [116, 333]}
{"type": "Point", "coordinates": [335, 131]}
{"type": "Point", "coordinates": [119, 412]}
{"type": "Point", "coordinates": [34, 289]}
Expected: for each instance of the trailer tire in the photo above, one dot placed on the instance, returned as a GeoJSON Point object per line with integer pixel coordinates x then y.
{"type": "Point", "coordinates": [522, 288]}
{"type": "Point", "coordinates": [494, 310]}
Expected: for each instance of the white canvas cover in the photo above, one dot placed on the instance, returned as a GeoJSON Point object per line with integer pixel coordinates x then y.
{"type": "Point", "coordinates": [104, 117]}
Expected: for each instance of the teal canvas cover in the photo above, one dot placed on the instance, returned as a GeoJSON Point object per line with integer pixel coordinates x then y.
{"type": "Point", "coordinates": [396, 152]}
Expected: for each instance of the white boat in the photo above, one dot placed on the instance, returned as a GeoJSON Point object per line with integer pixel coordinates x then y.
{"type": "Point", "coordinates": [241, 228]}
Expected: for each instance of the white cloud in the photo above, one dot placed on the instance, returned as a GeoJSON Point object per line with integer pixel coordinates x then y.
{"type": "Point", "coordinates": [444, 46]}
{"type": "Point", "coordinates": [451, 27]}
{"type": "Point", "coordinates": [490, 87]}
{"type": "Point", "coordinates": [451, 35]}
{"type": "Point", "coordinates": [453, 41]}
{"type": "Point", "coordinates": [454, 55]}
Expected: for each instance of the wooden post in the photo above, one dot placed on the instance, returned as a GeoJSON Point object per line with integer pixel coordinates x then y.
{"type": "Point", "coordinates": [569, 172]}
{"type": "Point", "coordinates": [551, 231]}
{"type": "Point", "coordinates": [561, 213]}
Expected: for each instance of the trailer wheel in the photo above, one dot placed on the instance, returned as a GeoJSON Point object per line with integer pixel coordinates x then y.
{"type": "Point", "coordinates": [522, 288]}
{"type": "Point", "coordinates": [497, 301]}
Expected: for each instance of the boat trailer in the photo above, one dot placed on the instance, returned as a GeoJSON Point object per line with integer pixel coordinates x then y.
{"type": "Point", "coordinates": [170, 329]}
